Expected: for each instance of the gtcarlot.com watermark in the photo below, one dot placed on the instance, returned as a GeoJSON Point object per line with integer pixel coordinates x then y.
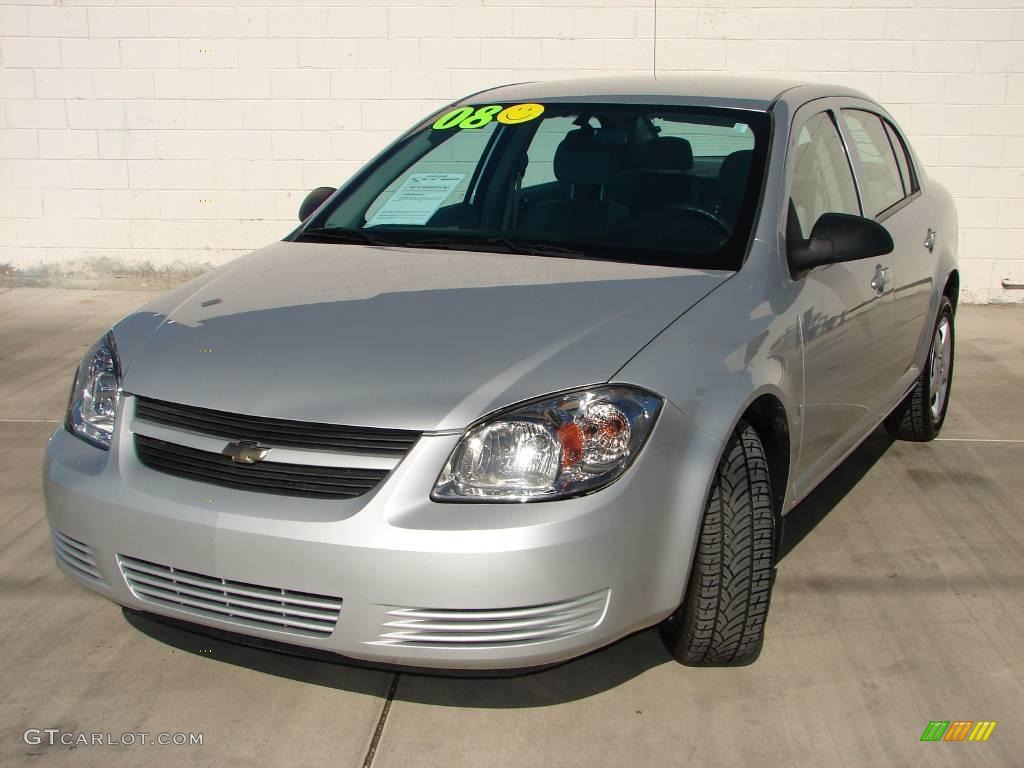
{"type": "Point", "coordinates": [56, 737]}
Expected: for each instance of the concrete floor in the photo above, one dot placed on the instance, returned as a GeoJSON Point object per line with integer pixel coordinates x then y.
{"type": "Point", "coordinates": [900, 600]}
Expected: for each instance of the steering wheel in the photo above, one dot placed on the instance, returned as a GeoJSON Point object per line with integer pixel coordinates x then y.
{"type": "Point", "coordinates": [704, 214]}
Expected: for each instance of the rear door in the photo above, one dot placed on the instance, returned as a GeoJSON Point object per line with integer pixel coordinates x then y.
{"type": "Point", "coordinates": [891, 195]}
{"type": "Point", "coordinates": [845, 309]}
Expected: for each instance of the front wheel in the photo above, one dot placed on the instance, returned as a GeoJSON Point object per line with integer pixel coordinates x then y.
{"type": "Point", "coordinates": [721, 619]}
{"type": "Point", "coordinates": [919, 417]}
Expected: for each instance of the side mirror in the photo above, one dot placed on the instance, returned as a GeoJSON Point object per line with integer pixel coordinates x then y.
{"type": "Point", "coordinates": [838, 237]}
{"type": "Point", "coordinates": [314, 200]}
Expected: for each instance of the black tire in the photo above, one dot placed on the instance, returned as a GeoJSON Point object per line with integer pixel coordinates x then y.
{"type": "Point", "coordinates": [721, 619]}
{"type": "Point", "coordinates": [914, 419]}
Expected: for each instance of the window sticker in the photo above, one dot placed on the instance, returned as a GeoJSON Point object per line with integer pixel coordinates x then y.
{"type": "Point", "coordinates": [520, 113]}
{"type": "Point", "coordinates": [417, 199]}
{"type": "Point", "coordinates": [470, 117]}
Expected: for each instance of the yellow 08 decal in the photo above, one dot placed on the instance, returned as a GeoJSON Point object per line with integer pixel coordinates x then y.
{"type": "Point", "coordinates": [469, 118]}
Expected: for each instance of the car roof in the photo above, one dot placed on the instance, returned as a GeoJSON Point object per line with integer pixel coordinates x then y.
{"type": "Point", "coordinates": [696, 90]}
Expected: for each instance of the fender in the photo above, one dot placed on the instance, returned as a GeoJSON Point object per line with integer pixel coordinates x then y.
{"type": "Point", "coordinates": [722, 355]}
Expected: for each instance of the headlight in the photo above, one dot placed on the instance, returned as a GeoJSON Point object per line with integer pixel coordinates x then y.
{"type": "Point", "coordinates": [561, 446]}
{"type": "Point", "coordinates": [95, 394]}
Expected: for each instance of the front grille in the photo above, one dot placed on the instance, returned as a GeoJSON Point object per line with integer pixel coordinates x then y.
{"type": "Point", "coordinates": [436, 628]}
{"type": "Point", "coordinates": [236, 601]}
{"type": "Point", "coordinates": [277, 432]}
{"type": "Point", "coordinates": [261, 477]}
{"type": "Point", "coordinates": [75, 556]}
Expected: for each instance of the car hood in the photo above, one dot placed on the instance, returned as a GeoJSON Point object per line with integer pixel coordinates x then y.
{"type": "Point", "coordinates": [391, 337]}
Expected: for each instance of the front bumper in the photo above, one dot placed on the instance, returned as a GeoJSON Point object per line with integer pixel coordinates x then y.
{"type": "Point", "coordinates": [414, 582]}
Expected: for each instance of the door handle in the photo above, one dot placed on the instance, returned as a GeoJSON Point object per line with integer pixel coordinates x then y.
{"type": "Point", "coordinates": [929, 239]}
{"type": "Point", "coordinates": [880, 278]}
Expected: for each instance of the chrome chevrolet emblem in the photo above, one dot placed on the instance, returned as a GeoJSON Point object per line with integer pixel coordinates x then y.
{"type": "Point", "coordinates": [245, 452]}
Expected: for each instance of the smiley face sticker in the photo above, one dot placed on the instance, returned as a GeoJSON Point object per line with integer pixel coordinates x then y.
{"type": "Point", "coordinates": [520, 113]}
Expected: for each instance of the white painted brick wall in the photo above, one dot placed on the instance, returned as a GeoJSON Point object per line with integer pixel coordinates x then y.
{"type": "Point", "coordinates": [184, 132]}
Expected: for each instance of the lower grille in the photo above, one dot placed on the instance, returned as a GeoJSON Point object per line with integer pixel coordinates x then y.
{"type": "Point", "coordinates": [241, 603]}
{"type": "Point", "coordinates": [75, 556]}
{"type": "Point", "coordinates": [435, 628]}
{"type": "Point", "coordinates": [261, 477]}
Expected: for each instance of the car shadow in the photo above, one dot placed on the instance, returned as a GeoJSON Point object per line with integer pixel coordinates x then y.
{"type": "Point", "coordinates": [580, 678]}
{"type": "Point", "coordinates": [822, 500]}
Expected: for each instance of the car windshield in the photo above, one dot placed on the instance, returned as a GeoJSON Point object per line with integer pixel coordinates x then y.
{"type": "Point", "coordinates": [668, 185]}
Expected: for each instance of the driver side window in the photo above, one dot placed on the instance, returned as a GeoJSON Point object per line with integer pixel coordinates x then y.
{"type": "Point", "coordinates": [822, 181]}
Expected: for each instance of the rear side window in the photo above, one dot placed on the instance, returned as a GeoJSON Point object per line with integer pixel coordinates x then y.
{"type": "Point", "coordinates": [822, 180]}
{"type": "Point", "coordinates": [880, 177]}
{"type": "Point", "coordinates": [902, 159]}
{"type": "Point", "coordinates": [540, 155]}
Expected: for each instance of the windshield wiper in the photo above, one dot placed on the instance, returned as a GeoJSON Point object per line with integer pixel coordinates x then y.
{"type": "Point", "coordinates": [343, 235]}
{"type": "Point", "coordinates": [505, 244]}
{"type": "Point", "coordinates": [502, 244]}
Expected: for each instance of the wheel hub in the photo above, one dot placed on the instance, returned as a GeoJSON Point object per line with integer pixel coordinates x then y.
{"type": "Point", "coordinates": [941, 359]}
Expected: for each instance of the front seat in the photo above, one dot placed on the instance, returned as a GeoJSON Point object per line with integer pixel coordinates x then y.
{"type": "Point", "coordinates": [729, 190]}
{"type": "Point", "coordinates": [589, 172]}
{"type": "Point", "coordinates": [662, 213]}
{"type": "Point", "coordinates": [661, 175]}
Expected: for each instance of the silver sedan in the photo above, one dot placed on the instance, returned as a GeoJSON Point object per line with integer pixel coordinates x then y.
{"type": "Point", "coordinates": [550, 369]}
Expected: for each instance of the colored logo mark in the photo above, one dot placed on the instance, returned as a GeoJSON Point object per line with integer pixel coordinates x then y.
{"type": "Point", "coordinates": [958, 730]}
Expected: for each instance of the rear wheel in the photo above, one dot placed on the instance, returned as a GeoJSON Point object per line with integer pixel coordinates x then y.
{"type": "Point", "coordinates": [919, 417]}
{"type": "Point", "coordinates": [721, 620]}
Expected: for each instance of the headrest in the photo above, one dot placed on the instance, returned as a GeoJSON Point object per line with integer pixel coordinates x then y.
{"type": "Point", "coordinates": [578, 161]}
{"type": "Point", "coordinates": [732, 176]}
{"type": "Point", "coordinates": [665, 154]}
{"type": "Point", "coordinates": [609, 137]}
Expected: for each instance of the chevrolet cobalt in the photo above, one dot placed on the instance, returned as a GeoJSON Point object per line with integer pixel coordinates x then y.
{"type": "Point", "coordinates": [550, 369]}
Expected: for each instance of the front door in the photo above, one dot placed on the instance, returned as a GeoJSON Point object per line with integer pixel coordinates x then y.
{"type": "Point", "coordinates": [845, 309]}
